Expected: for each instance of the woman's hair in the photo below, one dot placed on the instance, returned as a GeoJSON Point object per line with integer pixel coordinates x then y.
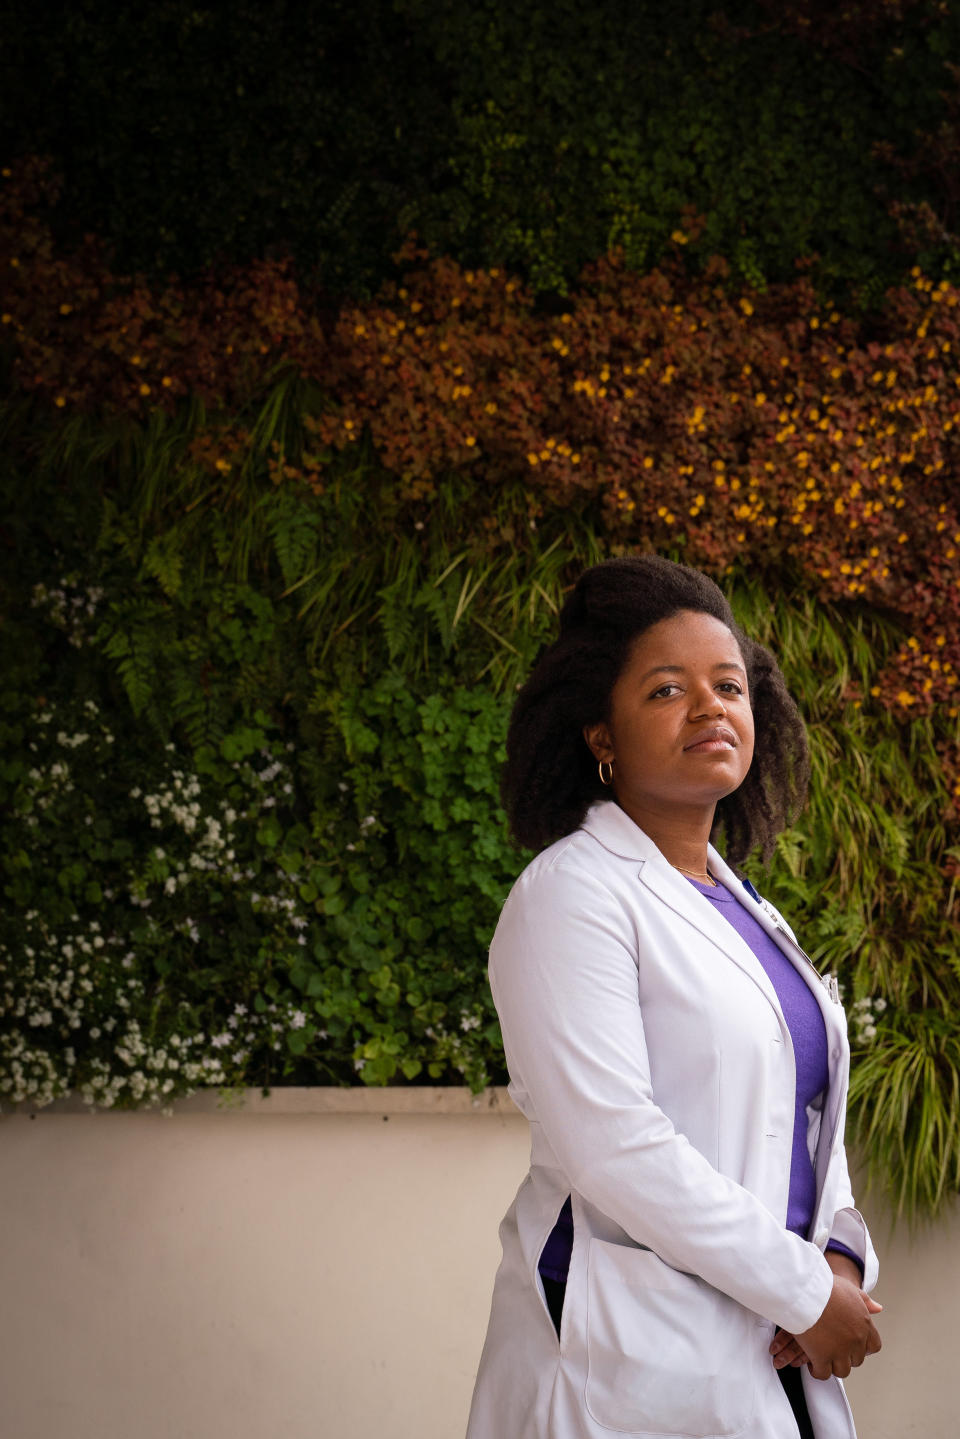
{"type": "Point", "coordinates": [550, 778]}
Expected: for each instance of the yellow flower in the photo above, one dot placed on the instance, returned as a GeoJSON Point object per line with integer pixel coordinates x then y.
{"type": "Point", "coordinates": [904, 698]}
{"type": "Point", "coordinates": [60, 402]}
{"type": "Point", "coordinates": [679, 238]}
{"type": "Point", "coordinates": [746, 307]}
{"type": "Point", "coordinates": [470, 440]}
{"type": "Point", "coordinates": [532, 459]}
{"type": "Point", "coordinates": [144, 389]}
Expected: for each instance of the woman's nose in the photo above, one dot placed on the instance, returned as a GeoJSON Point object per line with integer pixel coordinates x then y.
{"type": "Point", "coordinates": [707, 702]}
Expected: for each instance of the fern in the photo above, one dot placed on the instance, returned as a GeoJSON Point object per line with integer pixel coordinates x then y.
{"type": "Point", "coordinates": [294, 527]}
{"type": "Point", "coordinates": [163, 561]}
{"type": "Point", "coordinates": [132, 638]}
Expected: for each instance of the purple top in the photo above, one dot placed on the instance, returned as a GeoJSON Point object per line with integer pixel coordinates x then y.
{"type": "Point", "coordinates": [805, 1022]}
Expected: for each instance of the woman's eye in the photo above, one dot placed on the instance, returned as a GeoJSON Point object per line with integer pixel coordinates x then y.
{"type": "Point", "coordinates": [732, 687]}
{"type": "Point", "coordinates": [664, 690]}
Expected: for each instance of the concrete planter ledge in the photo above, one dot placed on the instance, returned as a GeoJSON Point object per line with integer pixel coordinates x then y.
{"type": "Point", "coordinates": [401, 1099]}
{"type": "Point", "coordinates": [207, 1275]}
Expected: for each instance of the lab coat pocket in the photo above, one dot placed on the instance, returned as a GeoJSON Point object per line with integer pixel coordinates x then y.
{"type": "Point", "coordinates": [666, 1353]}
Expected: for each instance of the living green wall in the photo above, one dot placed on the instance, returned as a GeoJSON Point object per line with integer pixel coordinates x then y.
{"type": "Point", "coordinates": [282, 531]}
{"type": "Point", "coordinates": [242, 849]}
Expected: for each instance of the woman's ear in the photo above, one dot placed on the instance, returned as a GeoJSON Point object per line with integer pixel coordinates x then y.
{"type": "Point", "coordinates": [597, 738]}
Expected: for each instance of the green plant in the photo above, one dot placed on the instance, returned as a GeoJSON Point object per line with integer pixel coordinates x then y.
{"type": "Point", "coordinates": [536, 138]}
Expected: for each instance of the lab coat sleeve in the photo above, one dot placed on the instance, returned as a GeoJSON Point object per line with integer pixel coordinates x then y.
{"type": "Point", "coordinates": [849, 1229]}
{"type": "Point", "coordinates": [565, 983]}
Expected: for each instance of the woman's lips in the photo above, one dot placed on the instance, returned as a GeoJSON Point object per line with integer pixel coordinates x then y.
{"type": "Point", "coordinates": [712, 741]}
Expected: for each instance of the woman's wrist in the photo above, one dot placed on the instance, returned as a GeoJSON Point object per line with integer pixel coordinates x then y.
{"type": "Point", "coordinates": [844, 1267]}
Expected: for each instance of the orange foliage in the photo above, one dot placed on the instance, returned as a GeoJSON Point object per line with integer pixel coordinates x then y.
{"type": "Point", "coordinates": [761, 428]}
{"type": "Point", "coordinates": [87, 337]}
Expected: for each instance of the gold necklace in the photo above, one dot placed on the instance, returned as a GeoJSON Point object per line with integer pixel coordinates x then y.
{"type": "Point", "coordinates": [706, 878]}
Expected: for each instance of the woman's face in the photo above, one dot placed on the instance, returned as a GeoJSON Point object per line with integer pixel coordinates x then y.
{"type": "Point", "coordinates": [680, 732]}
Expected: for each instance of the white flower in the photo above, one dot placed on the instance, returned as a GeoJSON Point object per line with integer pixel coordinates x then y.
{"type": "Point", "coordinates": [297, 1019]}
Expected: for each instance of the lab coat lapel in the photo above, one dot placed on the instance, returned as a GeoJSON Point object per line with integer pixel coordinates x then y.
{"type": "Point", "coordinates": [616, 831]}
{"type": "Point", "coordinates": [673, 890]}
{"type": "Point", "coordinates": [829, 1007]}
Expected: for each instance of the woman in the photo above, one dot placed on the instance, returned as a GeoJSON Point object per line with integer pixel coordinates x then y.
{"type": "Point", "coordinates": [684, 1256]}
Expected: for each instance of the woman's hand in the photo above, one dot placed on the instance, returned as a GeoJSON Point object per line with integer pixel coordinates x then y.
{"type": "Point", "coordinates": [844, 1334]}
{"type": "Point", "coordinates": [786, 1349]}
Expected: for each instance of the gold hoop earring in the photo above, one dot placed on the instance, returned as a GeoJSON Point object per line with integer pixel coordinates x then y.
{"type": "Point", "coordinates": [608, 765]}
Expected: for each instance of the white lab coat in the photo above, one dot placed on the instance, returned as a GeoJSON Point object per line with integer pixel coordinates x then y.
{"type": "Point", "coordinates": [649, 1052]}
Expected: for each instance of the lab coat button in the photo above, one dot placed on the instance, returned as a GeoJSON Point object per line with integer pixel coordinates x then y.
{"type": "Point", "coordinates": [821, 1237]}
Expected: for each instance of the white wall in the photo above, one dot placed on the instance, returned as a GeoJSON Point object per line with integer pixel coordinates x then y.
{"type": "Point", "coordinates": [293, 1271]}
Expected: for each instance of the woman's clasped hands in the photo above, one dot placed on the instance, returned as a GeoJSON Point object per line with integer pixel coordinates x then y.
{"type": "Point", "coordinates": [842, 1337]}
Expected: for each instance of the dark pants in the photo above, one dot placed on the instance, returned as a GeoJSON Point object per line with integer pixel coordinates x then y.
{"type": "Point", "coordinates": [789, 1378]}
